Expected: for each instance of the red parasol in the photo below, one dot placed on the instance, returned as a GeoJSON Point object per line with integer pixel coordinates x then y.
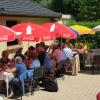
{"type": "Point", "coordinates": [31, 32]}
{"type": "Point", "coordinates": [59, 30]}
{"type": "Point", "coordinates": [6, 34]}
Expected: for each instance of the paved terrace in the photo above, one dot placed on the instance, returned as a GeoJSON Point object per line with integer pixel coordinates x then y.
{"type": "Point", "coordinates": [82, 87]}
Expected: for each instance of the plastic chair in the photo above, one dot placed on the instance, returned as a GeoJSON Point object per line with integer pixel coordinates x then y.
{"type": "Point", "coordinates": [69, 65]}
{"type": "Point", "coordinates": [38, 74]}
{"type": "Point", "coordinates": [66, 63]}
{"type": "Point", "coordinates": [26, 76]}
{"type": "Point", "coordinates": [30, 76]}
{"type": "Point", "coordinates": [22, 79]}
{"type": "Point", "coordinates": [60, 69]}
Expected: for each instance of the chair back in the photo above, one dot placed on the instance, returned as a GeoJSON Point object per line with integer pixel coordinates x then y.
{"type": "Point", "coordinates": [61, 64]}
{"type": "Point", "coordinates": [22, 79]}
{"type": "Point", "coordinates": [30, 78]}
{"type": "Point", "coordinates": [96, 59]}
{"type": "Point", "coordinates": [30, 73]}
{"type": "Point", "coordinates": [38, 72]}
{"type": "Point", "coordinates": [26, 76]}
{"type": "Point", "coordinates": [66, 62]}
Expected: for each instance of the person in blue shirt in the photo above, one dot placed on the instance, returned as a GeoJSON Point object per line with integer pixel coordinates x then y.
{"type": "Point", "coordinates": [19, 68]}
{"type": "Point", "coordinates": [35, 63]}
{"type": "Point", "coordinates": [44, 59]}
{"type": "Point", "coordinates": [47, 62]}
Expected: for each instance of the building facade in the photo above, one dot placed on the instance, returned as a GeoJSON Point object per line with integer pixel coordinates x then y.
{"type": "Point", "coordinates": [21, 11]}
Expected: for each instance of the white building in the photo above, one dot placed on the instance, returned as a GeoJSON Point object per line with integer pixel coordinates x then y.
{"type": "Point", "coordinates": [20, 11]}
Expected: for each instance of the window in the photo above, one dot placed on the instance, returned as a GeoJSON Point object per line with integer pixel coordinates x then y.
{"type": "Point", "coordinates": [10, 23]}
{"type": "Point", "coordinates": [15, 42]}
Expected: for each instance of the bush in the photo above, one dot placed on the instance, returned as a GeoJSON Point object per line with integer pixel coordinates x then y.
{"type": "Point", "coordinates": [91, 40]}
{"type": "Point", "coordinates": [83, 23]}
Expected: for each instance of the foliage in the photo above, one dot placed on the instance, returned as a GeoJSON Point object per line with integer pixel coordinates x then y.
{"type": "Point", "coordinates": [83, 9]}
{"type": "Point", "coordinates": [44, 3]}
{"type": "Point", "coordinates": [93, 41]}
{"type": "Point", "coordinates": [84, 12]}
{"type": "Point", "coordinates": [80, 9]}
{"type": "Point", "coordinates": [84, 23]}
{"type": "Point", "coordinates": [57, 5]}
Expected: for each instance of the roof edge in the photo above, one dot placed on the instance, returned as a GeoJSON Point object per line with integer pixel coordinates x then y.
{"type": "Point", "coordinates": [25, 15]}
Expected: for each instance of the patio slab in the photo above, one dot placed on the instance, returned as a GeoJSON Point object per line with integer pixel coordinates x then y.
{"type": "Point", "coordinates": [84, 86]}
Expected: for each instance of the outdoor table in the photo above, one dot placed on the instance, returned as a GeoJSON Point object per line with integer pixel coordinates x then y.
{"type": "Point", "coordinates": [77, 63]}
{"type": "Point", "coordinates": [7, 77]}
{"type": "Point", "coordinates": [76, 66]}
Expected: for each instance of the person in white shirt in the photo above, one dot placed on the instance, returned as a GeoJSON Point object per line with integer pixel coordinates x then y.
{"type": "Point", "coordinates": [69, 61]}
{"type": "Point", "coordinates": [68, 53]}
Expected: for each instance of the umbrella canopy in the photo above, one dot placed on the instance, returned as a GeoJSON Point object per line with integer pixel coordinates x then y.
{"type": "Point", "coordinates": [59, 30]}
{"type": "Point", "coordinates": [96, 29]}
{"type": "Point", "coordinates": [31, 32]}
{"type": "Point", "coordinates": [6, 34]}
{"type": "Point", "coordinates": [76, 32]}
{"type": "Point", "coordinates": [82, 29]}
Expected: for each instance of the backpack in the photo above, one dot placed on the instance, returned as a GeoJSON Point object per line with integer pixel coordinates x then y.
{"type": "Point", "coordinates": [51, 85]}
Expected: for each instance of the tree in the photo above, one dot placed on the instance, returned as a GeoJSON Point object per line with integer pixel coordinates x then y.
{"type": "Point", "coordinates": [83, 9]}
{"type": "Point", "coordinates": [57, 5]}
{"type": "Point", "coordinates": [93, 9]}
{"type": "Point", "coordinates": [36, 1]}
{"type": "Point", "coordinates": [44, 3]}
{"type": "Point", "coordinates": [80, 9]}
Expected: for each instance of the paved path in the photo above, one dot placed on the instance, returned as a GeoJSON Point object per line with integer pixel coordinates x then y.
{"type": "Point", "coordinates": [82, 87]}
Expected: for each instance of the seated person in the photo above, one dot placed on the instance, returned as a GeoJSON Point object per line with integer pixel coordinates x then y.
{"type": "Point", "coordinates": [57, 53]}
{"type": "Point", "coordinates": [19, 53]}
{"type": "Point", "coordinates": [44, 58]}
{"type": "Point", "coordinates": [69, 44]}
{"type": "Point", "coordinates": [47, 62]}
{"type": "Point", "coordinates": [19, 68]}
{"type": "Point", "coordinates": [31, 48]}
{"type": "Point", "coordinates": [33, 60]}
{"type": "Point", "coordinates": [68, 53]}
{"type": "Point", "coordinates": [68, 56]}
{"type": "Point", "coordinates": [28, 62]}
{"type": "Point", "coordinates": [4, 60]}
{"type": "Point", "coordinates": [58, 57]}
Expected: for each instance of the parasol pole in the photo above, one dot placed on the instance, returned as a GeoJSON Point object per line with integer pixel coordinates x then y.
{"type": "Point", "coordinates": [61, 40]}
{"type": "Point", "coordinates": [61, 43]}
{"type": "Point", "coordinates": [76, 40]}
{"type": "Point", "coordinates": [28, 44]}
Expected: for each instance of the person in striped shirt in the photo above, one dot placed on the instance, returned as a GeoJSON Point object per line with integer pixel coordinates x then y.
{"type": "Point", "coordinates": [68, 53]}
